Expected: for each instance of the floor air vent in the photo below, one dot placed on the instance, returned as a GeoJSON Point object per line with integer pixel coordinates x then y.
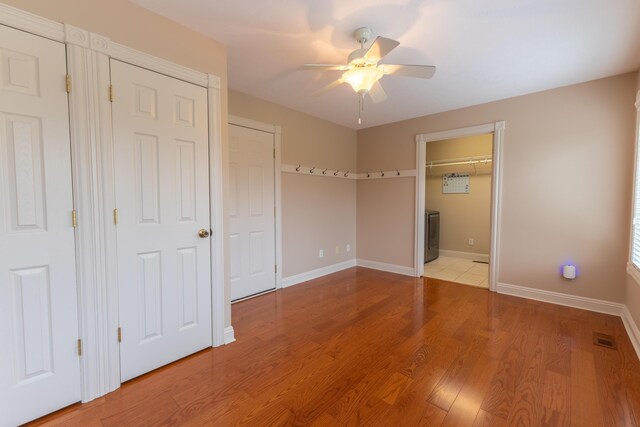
{"type": "Point", "coordinates": [604, 340]}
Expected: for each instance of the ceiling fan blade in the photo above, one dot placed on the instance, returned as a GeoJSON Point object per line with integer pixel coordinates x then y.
{"type": "Point", "coordinates": [379, 48]}
{"type": "Point", "coordinates": [335, 67]}
{"type": "Point", "coordinates": [377, 93]}
{"type": "Point", "coordinates": [328, 87]}
{"type": "Point", "coordinates": [419, 71]}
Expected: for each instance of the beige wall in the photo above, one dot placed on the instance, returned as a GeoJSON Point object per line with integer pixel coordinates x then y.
{"type": "Point", "coordinates": [462, 216]}
{"type": "Point", "coordinates": [567, 171]}
{"type": "Point", "coordinates": [135, 27]}
{"type": "Point", "coordinates": [317, 212]}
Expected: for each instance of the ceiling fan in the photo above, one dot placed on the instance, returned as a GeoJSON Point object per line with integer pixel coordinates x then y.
{"type": "Point", "coordinates": [363, 71]}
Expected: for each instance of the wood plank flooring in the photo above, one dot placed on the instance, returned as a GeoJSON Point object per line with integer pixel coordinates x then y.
{"type": "Point", "coordinates": [363, 347]}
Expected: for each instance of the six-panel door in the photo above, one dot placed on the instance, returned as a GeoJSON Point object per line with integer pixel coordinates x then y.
{"type": "Point", "coordinates": [162, 195]}
{"type": "Point", "coordinates": [251, 211]}
{"type": "Point", "coordinates": [39, 366]}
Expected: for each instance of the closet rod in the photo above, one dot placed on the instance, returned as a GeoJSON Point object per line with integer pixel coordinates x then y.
{"type": "Point", "coordinates": [457, 162]}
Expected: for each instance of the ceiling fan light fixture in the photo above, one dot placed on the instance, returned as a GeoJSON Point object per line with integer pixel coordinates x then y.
{"type": "Point", "coordinates": [362, 79]}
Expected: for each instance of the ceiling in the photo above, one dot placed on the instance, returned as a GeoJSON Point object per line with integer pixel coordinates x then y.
{"type": "Point", "coordinates": [484, 50]}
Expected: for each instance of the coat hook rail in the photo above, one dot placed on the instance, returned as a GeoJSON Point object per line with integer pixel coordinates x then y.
{"type": "Point", "coordinates": [348, 174]}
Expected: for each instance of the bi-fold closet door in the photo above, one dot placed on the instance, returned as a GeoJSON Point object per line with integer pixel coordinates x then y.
{"type": "Point", "coordinates": [39, 361]}
{"type": "Point", "coordinates": [161, 169]}
{"type": "Point", "coordinates": [161, 161]}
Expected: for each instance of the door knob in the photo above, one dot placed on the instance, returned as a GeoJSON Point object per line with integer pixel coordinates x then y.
{"type": "Point", "coordinates": [203, 233]}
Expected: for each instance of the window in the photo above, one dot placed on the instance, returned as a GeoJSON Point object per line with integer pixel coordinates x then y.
{"type": "Point", "coordinates": [635, 237]}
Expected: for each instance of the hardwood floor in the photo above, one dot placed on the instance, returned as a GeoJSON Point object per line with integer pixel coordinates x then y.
{"type": "Point", "coordinates": [363, 347]}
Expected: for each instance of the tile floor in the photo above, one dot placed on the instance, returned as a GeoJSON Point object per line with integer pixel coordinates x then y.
{"type": "Point", "coordinates": [458, 270]}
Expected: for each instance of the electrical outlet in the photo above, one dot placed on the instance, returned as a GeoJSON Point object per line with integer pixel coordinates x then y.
{"type": "Point", "coordinates": [321, 254]}
{"type": "Point", "coordinates": [471, 242]}
{"type": "Point", "coordinates": [348, 247]}
{"type": "Point", "coordinates": [337, 249]}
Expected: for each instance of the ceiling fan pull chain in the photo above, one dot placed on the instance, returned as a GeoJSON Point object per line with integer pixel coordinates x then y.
{"type": "Point", "coordinates": [360, 107]}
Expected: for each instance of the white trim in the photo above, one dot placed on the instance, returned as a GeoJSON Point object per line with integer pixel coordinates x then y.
{"type": "Point", "coordinates": [558, 298]}
{"type": "Point", "coordinates": [159, 65]}
{"type": "Point", "coordinates": [319, 272]}
{"type": "Point", "coordinates": [383, 266]}
{"type": "Point", "coordinates": [94, 200]}
{"type": "Point", "coordinates": [497, 128]}
{"type": "Point", "coordinates": [278, 183]}
{"type": "Point", "coordinates": [420, 203]}
{"type": "Point", "coordinates": [590, 304]}
{"type": "Point", "coordinates": [219, 301]}
{"type": "Point", "coordinates": [632, 329]}
{"type": "Point", "coordinates": [633, 272]}
{"type": "Point", "coordinates": [465, 255]}
{"type": "Point", "coordinates": [229, 335]}
{"type": "Point", "coordinates": [252, 124]}
{"type": "Point", "coordinates": [277, 144]}
{"type": "Point", "coordinates": [34, 24]}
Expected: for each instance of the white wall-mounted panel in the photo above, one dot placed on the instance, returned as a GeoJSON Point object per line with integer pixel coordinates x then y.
{"type": "Point", "coordinates": [150, 295]}
{"type": "Point", "coordinates": [256, 190]}
{"type": "Point", "coordinates": [186, 185]}
{"type": "Point", "coordinates": [257, 248]}
{"type": "Point", "coordinates": [188, 286]}
{"type": "Point", "coordinates": [32, 320]}
{"type": "Point", "coordinates": [184, 111]}
{"type": "Point", "coordinates": [25, 170]}
{"type": "Point", "coordinates": [147, 178]}
{"type": "Point", "coordinates": [145, 102]}
{"type": "Point", "coordinates": [19, 72]}
{"type": "Point", "coordinates": [234, 208]}
{"type": "Point", "coordinates": [235, 250]}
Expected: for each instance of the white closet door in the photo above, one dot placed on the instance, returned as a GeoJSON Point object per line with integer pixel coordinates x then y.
{"type": "Point", "coordinates": [39, 365]}
{"type": "Point", "coordinates": [162, 194]}
{"type": "Point", "coordinates": [251, 210]}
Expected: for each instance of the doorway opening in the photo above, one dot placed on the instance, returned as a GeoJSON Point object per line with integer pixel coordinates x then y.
{"type": "Point", "coordinates": [458, 192]}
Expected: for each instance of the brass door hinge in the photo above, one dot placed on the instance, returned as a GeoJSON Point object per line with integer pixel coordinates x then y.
{"type": "Point", "coordinates": [119, 334]}
{"type": "Point", "coordinates": [68, 83]}
{"type": "Point", "coordinates": [111, 96]}
{"type": "Point", "coordinates": [74, 218]}
{"type": "Point", "coordinates": [115, 216]}
{"type": "Point", "coordinates": [79, 347]}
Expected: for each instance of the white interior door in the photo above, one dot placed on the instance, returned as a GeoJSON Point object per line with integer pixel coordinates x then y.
{"type": "Point", "coordinates": [39, 366]}
{"type": "Point", "coordinates": [251, 211]}
{"type": "Point", "coordinates": [162, 193]}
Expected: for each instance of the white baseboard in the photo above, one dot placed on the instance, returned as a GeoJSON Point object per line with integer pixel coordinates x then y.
{"type": "Point", "coordinates": [229, 335]}
{"type": "Point", "coordinates": [314, 274]}
{"type": "Point", "coordinates": [584, 303]}
{"type": "Point", "coordinates": [465, 255]}
{"type": "Point", "coordinates": [391, 268]}
{"type": "Point", "coordinates": [632, 329]}
{"type": "Point", "coordinates": [591, 304]}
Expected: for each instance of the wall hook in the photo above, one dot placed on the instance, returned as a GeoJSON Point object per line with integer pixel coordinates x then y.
{"type": "Point", "coordinates": [335, 173]}
{"type": "Point", "coordinates": [381, 173]}
{"type": "Point", "coordinates": [397, 172]}
{"type": "Point", "coordinates": [368, 175]}
{"type": "Point", "coordinates": [346, 174]}
{"type": "Point", "coordinates": [312, 169]}
{"type": "Point", "coordinates": [324, 172]}
{"type": "Point", "coordinates": [298, 168]}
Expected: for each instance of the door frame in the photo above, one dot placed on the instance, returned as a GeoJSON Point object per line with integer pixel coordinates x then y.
{"type": "Point", "coordinates": [495, 128]}
{"type": "Point", "coordinates": [88, 56]}
{"type": "Point", "coordinates": [277, 163]}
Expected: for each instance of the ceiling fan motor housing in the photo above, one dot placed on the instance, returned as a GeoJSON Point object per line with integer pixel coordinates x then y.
{"type": "Point", "coordinates": [362, 35]}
